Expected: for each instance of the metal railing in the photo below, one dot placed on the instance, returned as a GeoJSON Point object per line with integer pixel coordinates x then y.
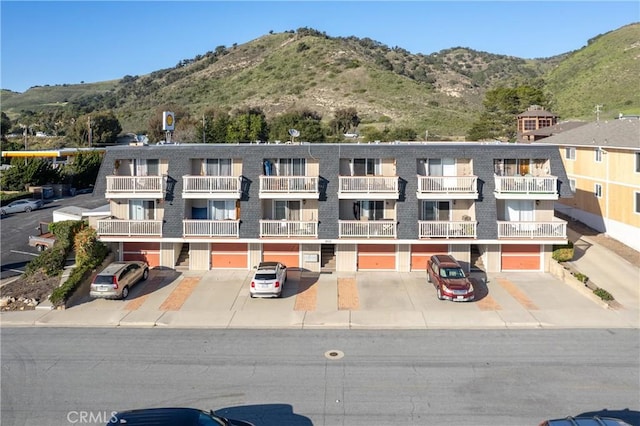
{"type": "Point", "coordinates": [289, 184]}
{"type": "Point", "coordinates": [369, 184]}
{"type": "Point", "coordinates": [448, 184]}
{"type": "Point", "coordinates": [129, 227]}
{"type": "Point", "coordinates": [210, 228]}
{"type": "Point", "coordinates": [288, 228]}
{"type": "Point", "coordinates": [526, 184]}
{"type": "Point", "coordinates": [450, 229]}
{"type": "Point", "coordinates": [211, 184]}
{"type": "Point", "coordinates": [552, 229]}
{"type": "Point", "coordinates": [367, 229]}
{"type": "Point", "coordinates": [134, 184]}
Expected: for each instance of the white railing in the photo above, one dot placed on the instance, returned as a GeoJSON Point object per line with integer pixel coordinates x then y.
{"type": "Point", "coordinates": [448, 184]}
{"type": "Point", "coordinates": [451, 229]}
{"type": "Point", "coordinates": [369, 184]}
{"type": "Point", "coordinates": [211, 184]}
{"type": "Point", "coordinates": [288, 228]}
{"type": "Point", "coordinates": [133, 184]}
{"type": "Point", "coordinates": [526, 184]}
{"type": "Point", "coordinates": [289, 184]}
{"type": "Point", "coordinates": [552, 229]}
{"type": "Point", "coordinates": [210, 228]}
{"type": "Point", "coordinates": [368, 229]}
{"type": "Point", "coordinates": [129, 227]}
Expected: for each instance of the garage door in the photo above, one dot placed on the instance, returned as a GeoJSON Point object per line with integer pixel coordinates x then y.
{"type": "Point", "coordinates": [377, 256]}
{"type": "Point", "coordinates": [289, 254]}
{"type": "Point", "coordinates": [229, 255]}
{"type": "Point", "coordinates": [148, 252]}
{"type": "Point", "coordinates": [420, 253]}
{"type": "Point", "coordinates": [520, 257]}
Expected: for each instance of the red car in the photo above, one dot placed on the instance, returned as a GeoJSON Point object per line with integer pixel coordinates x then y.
{"type": "Point", "coordinates": [450, 281]}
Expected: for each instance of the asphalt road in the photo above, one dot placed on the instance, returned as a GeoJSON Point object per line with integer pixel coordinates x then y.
{"type": "Point", "coordinates": [16, 228]}
{"type": "Point", "coordinates": [52, 376]}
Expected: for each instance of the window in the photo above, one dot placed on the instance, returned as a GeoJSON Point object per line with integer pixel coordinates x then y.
{"type": "Point", "coordinates": [570, 153]}
{"type": "Point", "coordinates": [222, 209]}
{"type": "Point", "coordinates": [366, 167]}
{"type": "Point", "coordinates": [637, 162]}
{"type": "Point", "coordinates": [218, 167]}
{"type": "Point", "coordinates": [598, 155]}
{"type": "Point", "coordinates": [142, 167]}
{"type": "Point", "coordinates": [529, 124]}
{"type": "Point", "coordinates": [286, 210]}
{"type": "Point", "coordinates": [436, 210]}
{"type": "Point", "coordinates": [572, 185]}
{"type": "Point", "coordinates": [597, 191]}
{"type": "Point", "coordinates": [371, 210]}
{"type": "Point", "coordinates": [142, 209]}
{"type": "Point", "coordinates": [637, 206]}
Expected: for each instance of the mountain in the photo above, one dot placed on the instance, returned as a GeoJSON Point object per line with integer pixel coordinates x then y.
{"type": "Point", "coordinates": [306, 69]}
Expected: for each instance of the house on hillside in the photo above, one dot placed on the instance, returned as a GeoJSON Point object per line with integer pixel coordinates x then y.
{"type": "Point", "coordinates": [533, 120]}
{"type": "Point", "coordinates": [602, 161]}
{"type": "Point", "coordinates": [333, 207]}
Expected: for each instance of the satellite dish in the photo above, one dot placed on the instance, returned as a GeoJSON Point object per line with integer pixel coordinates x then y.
{"type": "Point", "coordinates": [295, 133]}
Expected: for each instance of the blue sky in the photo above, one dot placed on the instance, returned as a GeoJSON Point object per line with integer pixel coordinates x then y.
{"type": "Point", "coordinates": [49, 42]}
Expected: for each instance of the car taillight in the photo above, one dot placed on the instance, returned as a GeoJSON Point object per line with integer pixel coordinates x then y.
{"type": "Point", "coordinates": [277, 284]}
{"type": "Point", "coordinates": [115, 283]}
{"type": "Point", "coordinates": [253, 284]}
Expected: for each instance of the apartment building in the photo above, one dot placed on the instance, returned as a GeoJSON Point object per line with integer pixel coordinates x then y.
{"type": "Point", "coordinates": [343, 207]}
{"type": "Point", "coordinates": [602, 161]}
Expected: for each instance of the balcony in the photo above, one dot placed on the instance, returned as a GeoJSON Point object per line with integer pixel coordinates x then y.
{"type": "Point", "coordinates": [526, 187]}
{"type": "Point", "coordinates": [211, 187]}
{"type": "Point", "coordinates": [447, 229]}
{"type": "Point", "coordinates": [129, 228]}
{"type": "Point", "coordinates": [447, 187]}
{"type": "Point", "coordinates": [288, 228]}
{"type": "Point", "coordinates": [367, 229]}
{"type": "Point", "coordinates": [135, 187]}
{"type": "Point", "coordinates": [210, 228]}
{"type": "Point", "coordinates": [368, 187]}
{"type": "Point", "coordinates": [556, 229]}
{"type": "Point", "coordinates": [289, 187]}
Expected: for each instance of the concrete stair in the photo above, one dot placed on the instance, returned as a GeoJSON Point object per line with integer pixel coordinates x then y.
{"type": "Point", "coordinates": [476, 259]}
{"type": "Point", "coordinates": [327, 258]}
{"type": "Point", "coordinates": [183, 258]}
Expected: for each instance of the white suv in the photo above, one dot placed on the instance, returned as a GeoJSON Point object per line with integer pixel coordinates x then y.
{"type": "Point", "coordinates": [268, 280]}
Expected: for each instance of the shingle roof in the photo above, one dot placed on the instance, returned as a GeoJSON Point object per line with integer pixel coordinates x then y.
{"type": "Point", "coordinates": [620, 133]}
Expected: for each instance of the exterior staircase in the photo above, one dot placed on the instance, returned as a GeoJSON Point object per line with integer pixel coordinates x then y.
{"type": "Point", "coordinates": [327, 258]}
{"type": "Point", "coordinates": [476, 259]}
{"type": "Point", "coordinates": [182, 263]}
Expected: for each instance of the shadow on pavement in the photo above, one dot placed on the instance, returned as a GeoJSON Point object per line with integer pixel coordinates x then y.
{"type": "Point", "coordinates": [266, 415]}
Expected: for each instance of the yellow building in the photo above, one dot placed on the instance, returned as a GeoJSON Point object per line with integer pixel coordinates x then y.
{"type": "Point", "coordinates": [602, 161]}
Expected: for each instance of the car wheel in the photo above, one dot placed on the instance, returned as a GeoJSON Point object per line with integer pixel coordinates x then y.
{"type": "Point", "coordinates": [252, 295]}
{"type": "Point", "coordinates": [145, 274]}
{"type": "Point", "coordinates": [40, 247]}
{"type": "Point", "coordinates": [428, 277]}
{"type": "Point", "coordinates": [3, 213]}
{"type": "Point", "coordinates": [28, 209]}
{"type": "Point", "coordinates": [125, 292]}
{"type": "Point", "coordinates": [439, 293]}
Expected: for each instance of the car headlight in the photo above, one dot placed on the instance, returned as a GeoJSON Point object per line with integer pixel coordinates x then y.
{"type": "Point", "coordinates": [445, 288]}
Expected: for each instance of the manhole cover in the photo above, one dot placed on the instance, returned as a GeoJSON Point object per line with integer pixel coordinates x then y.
{"type": "Point", "coordinates": [334, 354]}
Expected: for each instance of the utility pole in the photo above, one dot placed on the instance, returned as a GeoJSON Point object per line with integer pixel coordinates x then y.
{"type": "Point", "coordinates": [598, 112]}
{"type": "Point", "coordinates": [90, 131]}
{"type": "Point", "coordinates": [203, 124]}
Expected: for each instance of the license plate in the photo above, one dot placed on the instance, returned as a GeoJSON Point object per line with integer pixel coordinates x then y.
{"type": "Point", "coordinates": [264, 286]}
{"type": "Point", "coordinates": [103, 288]}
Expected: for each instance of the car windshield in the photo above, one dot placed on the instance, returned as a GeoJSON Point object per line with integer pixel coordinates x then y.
{"type": "Point", "coordinates": [265, 276]}
{"type": "Point", "coordinates": [452, 273]}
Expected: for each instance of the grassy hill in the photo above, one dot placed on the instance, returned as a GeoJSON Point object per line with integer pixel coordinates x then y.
{"type": "Point", "coordinates": [306, 69]}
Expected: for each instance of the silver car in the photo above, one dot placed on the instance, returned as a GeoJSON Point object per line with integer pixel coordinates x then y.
{"type": "Point", "coordinates": [115, 281]}
{"type": "Point", "coordinates": [19, 206]}
{"type": "Point", "coordinates": [268, 280]}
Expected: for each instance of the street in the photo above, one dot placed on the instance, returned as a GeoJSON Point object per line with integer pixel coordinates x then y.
{"type": "Point", "coordinates": [321, 377]}
{"type": "Point", "coordinates": [17, 227]}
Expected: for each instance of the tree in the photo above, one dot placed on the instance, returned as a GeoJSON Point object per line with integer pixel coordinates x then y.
{"type": "Point", "coordinates": [214, 126]}
{"type": "Point", "coordinates": [345, 120]}
{"type": "Point", "coordinates": [104, 126]}
{"type": "Point", "coordinates": [248, 125]}
{"type": "Point", "coordinates": [182, 116]}
{"type": "Point", "coordinates": [83, 170]}
{"type": "Point", "coordinates": [5, 124]}
{"type": "Point", "coordinates": [307, 122]}
{"type": "Point", "coordinates": [32, 171]}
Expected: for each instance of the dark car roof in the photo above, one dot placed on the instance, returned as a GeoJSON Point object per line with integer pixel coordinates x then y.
{"type": "Point", "coordinates": [157, 417]}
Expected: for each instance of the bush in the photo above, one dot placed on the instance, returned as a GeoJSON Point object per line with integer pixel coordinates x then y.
{"type": "Point", "coordinates": [7, 197]}
{"type": "Point", "coordinates": [603, 294]}
{"type": "Point", "coordinates": [563, 253]}
{"type": "Point", "coordinates": [51, 261]}
{"type": "Point", "coordinates": [581, 277]}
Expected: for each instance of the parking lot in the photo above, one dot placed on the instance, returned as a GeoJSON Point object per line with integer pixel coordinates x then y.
{"type": "Point", "coordinates": [220, 299]}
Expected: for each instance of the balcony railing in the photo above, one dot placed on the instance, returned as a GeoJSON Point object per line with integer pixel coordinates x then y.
{"type": "Point", "coordinates": [195, 186]}
{"type": "Point", "coordinates": [129, 228]}
{"type": "Point", "coordinates": [447, 229]}
{"type": "Point", "coordinates": [368, 229]}
{"type": "Point", "coordinates": [210, 228]}
{"type": "Point", "coordinates": [447, 185]}
{"type": "Point", "coordinates": [288, 185]}
{"type": "Point", "coordinates": [552, 229]}
{"type": "Point", "coordinates": [369, 185]}
{"type": "Point", "coordinates": [131, 185]}
{"type": "Point", "coordinates": [528, 185]}
{"type": "Point", "coordinates": [288, 228]}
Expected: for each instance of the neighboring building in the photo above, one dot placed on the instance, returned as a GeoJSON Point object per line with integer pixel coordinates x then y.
{"type": "Point", "coordinates": [545, 132]}
{"type": "Point", "coordinates": [534, 119]}
{"type": "Point", "coordinates": [343, 207]}
{"type": "Point", "coordinates": [602, 161]}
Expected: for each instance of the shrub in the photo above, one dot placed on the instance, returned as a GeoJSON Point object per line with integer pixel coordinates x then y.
{"type": "Point", "coordinates": [581, 277]}
{"type": "Point", "coordinates": [603, 294]}
{"type": "Point", "coordinates": [563, 253]}
{"type": "Point", "coordinates": [51, 261]}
